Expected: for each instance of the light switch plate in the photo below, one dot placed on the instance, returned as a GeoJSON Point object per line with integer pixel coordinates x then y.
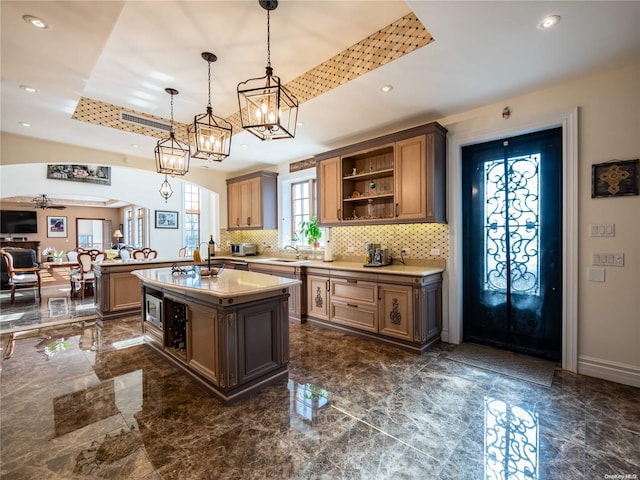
{"type": "Point", "coordinates": [602, 229]}
{"type": "Point", "coordinates": [596, 274]}
{"type": "Point", "coordinates": [608, 259]}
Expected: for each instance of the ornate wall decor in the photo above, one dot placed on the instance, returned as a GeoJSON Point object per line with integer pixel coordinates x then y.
{"type": "Point", "coordinates": [394, 315]}
{"type": "Point", "coordinates": [80, 173]}
{"type": "Point", "coordinates": [615, 178]}
{"type": "Point", "coordinates": [302, 165]}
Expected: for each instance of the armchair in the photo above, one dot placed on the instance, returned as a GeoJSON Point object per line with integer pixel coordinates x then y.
{"type": "Point", "coordinates": [22, 276]}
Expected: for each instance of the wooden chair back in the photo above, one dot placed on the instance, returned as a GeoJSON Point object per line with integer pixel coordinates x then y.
{"type": "Point", "coordinates": [144, 253]}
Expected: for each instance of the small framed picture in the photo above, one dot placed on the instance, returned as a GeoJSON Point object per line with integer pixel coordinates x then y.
{"type": "Point", "coordinates": [615, 179]}
{"type": "Point", "coordinates": [57, 227]}
{"type": "Point", "coordinates": [165, 219]}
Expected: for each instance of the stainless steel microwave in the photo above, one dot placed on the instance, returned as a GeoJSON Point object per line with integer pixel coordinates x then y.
{"type": "Point", "coordinates": [153, 310]}
{"type": "Point", "coordinates": [243, 249]}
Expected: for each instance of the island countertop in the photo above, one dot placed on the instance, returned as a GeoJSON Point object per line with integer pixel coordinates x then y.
{"type": "Point", "coordinates": [229, 283]}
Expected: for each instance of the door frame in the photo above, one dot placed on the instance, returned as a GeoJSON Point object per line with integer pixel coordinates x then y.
{"type": "Point", "coordinates": [568, 120]}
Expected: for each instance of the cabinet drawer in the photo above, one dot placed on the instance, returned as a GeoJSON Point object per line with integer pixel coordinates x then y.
{"type": "Point", "coordinates": [363, 317]}
{"type": "Point", "coordinates": [353, 291]}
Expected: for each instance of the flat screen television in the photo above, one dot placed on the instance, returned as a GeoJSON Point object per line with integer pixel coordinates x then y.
{"type": "Point", "coordinates": [18, 221]}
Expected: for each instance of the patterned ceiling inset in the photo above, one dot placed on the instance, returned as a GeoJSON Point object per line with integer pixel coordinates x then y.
{"type": "Point", "coordinates": [389, 43]}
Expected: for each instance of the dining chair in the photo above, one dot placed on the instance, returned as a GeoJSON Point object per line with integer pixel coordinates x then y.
{"type": "Point", "coordinates": [22, 277]}
{"type": "Point", "coordinates": [125, 254]}
{"type": "Point", "coordinates": [144, 253]}
{"type": "Point", "coordinates": [182, 252]}
{"type": "Point", "coordinates": [86, 276]}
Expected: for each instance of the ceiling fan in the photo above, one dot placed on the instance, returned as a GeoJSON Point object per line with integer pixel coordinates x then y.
{"type": "Point", "coordinates": [42, 201]}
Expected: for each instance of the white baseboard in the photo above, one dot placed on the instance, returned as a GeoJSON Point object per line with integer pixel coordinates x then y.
{"type": "Point", "coordinates": [444, 335]}
{"type": "Point", "coordinates": [607, 370]}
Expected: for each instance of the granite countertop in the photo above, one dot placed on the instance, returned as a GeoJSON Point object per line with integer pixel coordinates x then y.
{"type": "Point", "coordinates": [395, 269]}
{"type": "Point", "coordinates": [229, 283]}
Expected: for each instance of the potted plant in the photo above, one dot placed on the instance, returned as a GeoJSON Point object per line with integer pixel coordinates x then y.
{"type": "Point", "coordinates": [53, 254]}
{"type": "Point", "coordinates": [310, 230]}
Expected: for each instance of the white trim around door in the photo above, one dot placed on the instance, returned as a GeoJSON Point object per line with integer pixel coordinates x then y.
{"type": "Point", "coordinates": [452, 330]}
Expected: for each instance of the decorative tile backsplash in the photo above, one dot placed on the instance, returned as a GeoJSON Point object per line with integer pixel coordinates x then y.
{"type": "Point", "coordinates": [348, 242]}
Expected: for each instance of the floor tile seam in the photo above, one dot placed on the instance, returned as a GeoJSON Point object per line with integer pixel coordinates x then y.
{"type": "Point", "coordinates": [387, 434]}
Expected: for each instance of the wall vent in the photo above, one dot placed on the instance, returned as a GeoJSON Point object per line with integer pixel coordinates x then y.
{"type": "Point", "coordinates": [144, 121]}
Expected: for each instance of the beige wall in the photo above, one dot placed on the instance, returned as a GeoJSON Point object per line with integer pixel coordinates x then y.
{"type": "Point", "coordinates": [71, 214]}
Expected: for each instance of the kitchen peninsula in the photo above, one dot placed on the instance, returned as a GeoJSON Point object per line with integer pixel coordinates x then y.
{"type": "Point", "coordinates": [229, 332]}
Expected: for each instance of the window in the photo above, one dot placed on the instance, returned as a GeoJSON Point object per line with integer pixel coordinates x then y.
{"type": "Point", "coordinates": [191, 217]}
{"type": "Point", "coordinates": [140, 227]}
{"type": "Point", "coordinates": [129, 227]}
{"type": "Point", "coordinates": [303, 204]}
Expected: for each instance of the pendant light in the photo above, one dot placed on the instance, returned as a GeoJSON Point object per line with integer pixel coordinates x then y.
{"type": "Point", "coordinates": [210, 136]}
{"type": "Point", "coordinates": [165, 189]}
{"type": "Point", "coordinates": [267, 108]}
{"type": "Point", "coordinates": [172, 156]}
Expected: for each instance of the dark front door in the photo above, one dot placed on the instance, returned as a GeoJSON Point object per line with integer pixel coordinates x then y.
{"type": "Point", "coordinates": [512, 260]}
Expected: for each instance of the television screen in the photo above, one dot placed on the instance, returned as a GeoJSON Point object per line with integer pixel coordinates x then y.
{"type": "Point", "coordinates": [18, 221]}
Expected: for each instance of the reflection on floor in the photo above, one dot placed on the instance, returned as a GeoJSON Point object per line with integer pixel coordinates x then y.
{"type": "Point", "coordinates": [55, 307]}
{"type": "Point", "coordinates": [94, 401]}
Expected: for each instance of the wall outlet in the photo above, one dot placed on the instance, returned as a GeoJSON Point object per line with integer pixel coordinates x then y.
{"type": "Point", "coordinates": [406, 251]}
{"type": "Point", "coordinates": [350, 250]}
{"type": "Point", "coordinates": [435, 252]}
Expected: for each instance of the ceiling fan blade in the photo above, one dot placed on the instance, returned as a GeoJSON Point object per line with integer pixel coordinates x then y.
{"type": "Point", "coordinates": [57, 207]}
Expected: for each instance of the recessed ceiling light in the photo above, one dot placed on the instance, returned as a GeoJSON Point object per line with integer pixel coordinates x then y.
{"type": "Point", "coordinates": [299, 124]}
{"type": "Point", "coordinates": [548, 22]}
{"type": "Point", "coordinates": [244, 145]}
{"type": "Point", "coordinates": [24, 124]}
{"type": "Point", "coordinates": [29, 89]}
{"type": "Point", "coordinates": [36, 22]}
{"type": "Point", "coordinates": [134, 145]}
{"type": "Point", "coordinates": [386, 88]}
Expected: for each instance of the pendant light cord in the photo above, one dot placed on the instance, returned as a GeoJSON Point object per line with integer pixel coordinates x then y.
{"type": "Point", "coordinates": [268, 40]}
{"type": "Point", "coordinates": [209, 104]}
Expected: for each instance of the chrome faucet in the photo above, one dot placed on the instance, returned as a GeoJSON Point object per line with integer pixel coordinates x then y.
{"type": "Point", "coordinates": [293, 248]}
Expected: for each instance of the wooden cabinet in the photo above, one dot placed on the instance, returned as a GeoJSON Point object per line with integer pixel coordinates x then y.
{"type": "Point", "coordinates": [329, 177]}
{"type": "Point", "coordinates": [396, 311]}
{"type": "Point", "coordinates": [353, 302]}
{"type": "Point", "coordinates": [398, 178]}
{"type": "Point", "coordinates": [252, 201]}
{"type": "Point", "coordinates": [202, 334]}
{"type": "Point", "coordinates": [318, 296]}
{"type": "Point", "coordinates": [297, 293]}
{"type": "Point", "coordinates": [404, 311]}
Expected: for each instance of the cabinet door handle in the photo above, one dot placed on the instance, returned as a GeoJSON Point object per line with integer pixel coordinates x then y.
{"type": "Point", "coordinates": [396, 209]}
{"type": "Point", "coordinates": [352, 305]}
{"type": "Point", "coordinates": [379, 298]}
{"type": "Point", "coordinates": [248, 220]}
{"type": "Point", "coordinates": [237, 221]}
{"type": "Point", "coordinates": [352, 281]}
{"type": "Point", "coordinates": [339, 217]}
{"type": "Point", "coordinates": [327, 282]}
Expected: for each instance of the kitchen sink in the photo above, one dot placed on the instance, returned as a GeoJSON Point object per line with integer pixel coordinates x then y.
{"type": "Point", "coordinates": [281, 260]}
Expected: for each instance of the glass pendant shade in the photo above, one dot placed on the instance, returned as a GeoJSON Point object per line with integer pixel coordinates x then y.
{"type": "Point", "coordinates": [172, 156]}
{"type": "Point", "coordinates": [165, 189]}
{"type": "Point", "coordinates": [209, 135]}
{"type": "Point", "coordinates": [267, 108]}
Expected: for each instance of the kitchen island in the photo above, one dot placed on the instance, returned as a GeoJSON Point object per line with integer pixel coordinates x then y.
{"type": "Point", "coordinates": [229, 332]}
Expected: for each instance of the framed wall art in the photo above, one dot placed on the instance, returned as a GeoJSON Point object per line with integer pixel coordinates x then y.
{"type": "Point", "coordinates": [615, 178]}
{"type": "Point", "coordinates": [57, 227]}
{"type": "Point", "coordinates": [100, 175]}
{"type": "Point", "coordinates": [165, 219]}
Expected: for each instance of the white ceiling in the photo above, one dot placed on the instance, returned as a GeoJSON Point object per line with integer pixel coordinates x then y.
{"type": "Point", "coordinates": [127, 52]}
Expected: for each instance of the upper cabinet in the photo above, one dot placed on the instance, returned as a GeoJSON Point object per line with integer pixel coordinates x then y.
{"type": "Point", "coordinates": [398, 178]}
{"type": "Point", "coordinates": [252, 201]}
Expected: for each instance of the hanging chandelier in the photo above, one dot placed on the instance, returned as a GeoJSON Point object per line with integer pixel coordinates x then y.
{"type": "Point", "coordinates": [267, 108]}
{"type": "Point", "coordinates": [165, 189]}
{"type": "Point", "coordinates": [210, 136]}
{"type": "Point", "coordinates": [172, 156]}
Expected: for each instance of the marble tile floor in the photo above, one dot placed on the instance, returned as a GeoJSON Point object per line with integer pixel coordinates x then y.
{"type": "Point", "coordinates": [93, 401]}
{"type": "Point", "coordinates": [55, 307]}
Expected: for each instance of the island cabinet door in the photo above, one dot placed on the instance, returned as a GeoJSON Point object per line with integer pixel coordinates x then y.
{"type": "Point", "coordinates": [396, 311]}
{"type": "Point", "coordinates": [260, 334]}
{"type": "Point", "coordinates": [202, 342]}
